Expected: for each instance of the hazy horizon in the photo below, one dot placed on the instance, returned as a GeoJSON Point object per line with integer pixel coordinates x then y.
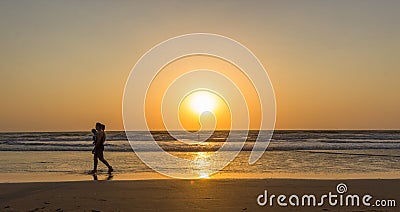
{"type": "Point", "coordinates": [276, 130]}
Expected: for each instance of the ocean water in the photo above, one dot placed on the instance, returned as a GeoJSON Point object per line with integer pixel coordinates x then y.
{"type": "Point", "coordinates": [41, 156]}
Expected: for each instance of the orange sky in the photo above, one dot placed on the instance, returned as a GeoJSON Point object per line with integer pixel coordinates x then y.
{"type": "Point", "coordinates": [333, 64]}
{"type": "Point", "coordinates": [204, 79]}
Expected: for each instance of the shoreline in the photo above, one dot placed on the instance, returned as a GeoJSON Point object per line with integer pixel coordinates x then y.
{"type": "Point", "coordinates": [44, 177]}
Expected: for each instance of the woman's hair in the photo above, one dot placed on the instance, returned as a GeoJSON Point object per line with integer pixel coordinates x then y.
{"type": "Point", "coordinates": [101, 126]}
{"type": "Point", "coordinates": [94, 131]}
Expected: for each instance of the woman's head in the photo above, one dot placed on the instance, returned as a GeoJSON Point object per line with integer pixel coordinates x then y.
{"type": "Point", "coordinates": [100, 126]}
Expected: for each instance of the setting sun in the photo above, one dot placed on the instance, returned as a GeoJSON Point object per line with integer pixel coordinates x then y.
{"type": "Point", "coordinates": [202, 101]}
{"type": "Point", "coordinates": [204, 109]}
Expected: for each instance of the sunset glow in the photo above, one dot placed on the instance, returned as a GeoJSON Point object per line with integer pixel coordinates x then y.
{"type": "Point", "coordinates": [330, 68]}
{"type": "Point", "coordinates": [204, 109]}
{"type": "Point", "coordinates": [202, 101]}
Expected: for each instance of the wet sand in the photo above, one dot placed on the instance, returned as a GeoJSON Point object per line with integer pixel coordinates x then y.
{"type": "Point", "coordinates": [185, 195]}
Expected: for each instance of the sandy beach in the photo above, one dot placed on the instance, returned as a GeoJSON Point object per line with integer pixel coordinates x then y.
{"type": "Point", "coordinates": [185, 195]}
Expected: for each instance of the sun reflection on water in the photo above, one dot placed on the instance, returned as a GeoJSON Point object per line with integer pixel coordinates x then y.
{"type": "Point", "coordinates": [200, 164]}
{"type": "Point", "coordinates": [204, 175]}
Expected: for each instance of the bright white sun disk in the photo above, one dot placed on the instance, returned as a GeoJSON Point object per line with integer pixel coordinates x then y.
{"type": "Point", "coordinates": [202, 101]}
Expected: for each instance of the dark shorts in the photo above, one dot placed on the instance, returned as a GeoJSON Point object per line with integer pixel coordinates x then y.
{"type": "Point", "coordinates": [99, 152]}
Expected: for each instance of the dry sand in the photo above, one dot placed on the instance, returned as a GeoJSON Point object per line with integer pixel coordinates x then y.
{"type": "Point", "coordinates": [183, 195]}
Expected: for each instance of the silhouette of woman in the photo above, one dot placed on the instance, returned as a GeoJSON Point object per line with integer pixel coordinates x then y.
{"type": "Point", "coordinates": [99, 148]}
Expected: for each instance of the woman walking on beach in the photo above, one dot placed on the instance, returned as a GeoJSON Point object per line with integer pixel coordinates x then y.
{"type": "Point", "coordinates": [99, 148]}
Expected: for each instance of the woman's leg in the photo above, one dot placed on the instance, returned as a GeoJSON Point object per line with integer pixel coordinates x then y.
{"type": "Point", "coordinates": [105, 162]}
{"type": "Point", "coordinates": [101, 158]}
{"type": "Point", "coordinates": [95, 162]}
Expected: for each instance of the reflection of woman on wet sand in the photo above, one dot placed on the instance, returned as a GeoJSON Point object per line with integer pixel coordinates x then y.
{"type": "Point", "coordinates": [99, 148]}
